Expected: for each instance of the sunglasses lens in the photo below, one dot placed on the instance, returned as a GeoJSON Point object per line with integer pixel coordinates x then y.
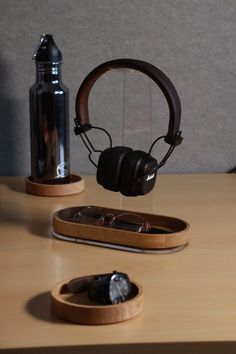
{"type": "Point", "coordinates": [88, 215]}
{"type": "Point", "coordinates": [91, 215]}
{"type": "Point", "coordinates": [130, 222]}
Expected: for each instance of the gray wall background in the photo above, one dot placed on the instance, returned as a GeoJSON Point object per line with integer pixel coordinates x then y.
{"type": "Point", "coordinates": [192, 41]}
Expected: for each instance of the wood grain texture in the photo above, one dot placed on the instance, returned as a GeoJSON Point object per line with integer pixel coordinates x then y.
{"type": "Point", "coordinates": [75, 186]}
{"type": "Point", "coordinates": [179, 231]}
{"type": "Point", "coordinates": [77, 308]}
{"type": "Point", "coordinates": [189, 302]}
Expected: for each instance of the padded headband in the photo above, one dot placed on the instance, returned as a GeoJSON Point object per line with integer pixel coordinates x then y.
{"type": "Point", "coordinates": [166, 86]}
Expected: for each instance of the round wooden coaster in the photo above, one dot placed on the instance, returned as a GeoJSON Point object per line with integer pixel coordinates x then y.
{"type": "Point", "coordinates": [79, 309]}
{"type": "Point", "coordinates": [75, 186]}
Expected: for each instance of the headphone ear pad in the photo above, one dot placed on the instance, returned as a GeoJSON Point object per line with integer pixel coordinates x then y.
{"type": "Point", "coordinates": [109, 167]}
{"type": "Point", "coordinates": [138, 173]}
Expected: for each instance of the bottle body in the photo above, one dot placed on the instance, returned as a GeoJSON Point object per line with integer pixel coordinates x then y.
{"type": "Point", "coordinates": [49, 126]}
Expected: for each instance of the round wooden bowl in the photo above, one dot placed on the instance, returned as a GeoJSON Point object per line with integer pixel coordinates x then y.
{"type": "Point", "coordinates": [76, 185]}
{"type": "Point", "coordinates": [77, 308]}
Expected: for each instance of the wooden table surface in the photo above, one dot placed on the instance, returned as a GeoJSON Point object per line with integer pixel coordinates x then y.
{"type": "Point", "coordinates": [189, 296]}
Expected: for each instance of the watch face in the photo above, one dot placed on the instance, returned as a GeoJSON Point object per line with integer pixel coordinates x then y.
{"type": "Point", "coordinates": [119, 288]}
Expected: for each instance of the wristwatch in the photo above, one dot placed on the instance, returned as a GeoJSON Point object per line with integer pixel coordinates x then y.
{"type": "Point", "coordinates": [105, 289]}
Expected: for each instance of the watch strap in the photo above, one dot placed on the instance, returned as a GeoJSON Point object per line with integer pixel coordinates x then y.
{"type": "Point", "coordinates": [78, 285]}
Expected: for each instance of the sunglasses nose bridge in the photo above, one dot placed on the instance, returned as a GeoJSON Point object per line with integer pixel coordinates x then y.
{"type": "Point", "coordinates": [146, 226]}
{"type": "Point", "coordinates": [109, 218]}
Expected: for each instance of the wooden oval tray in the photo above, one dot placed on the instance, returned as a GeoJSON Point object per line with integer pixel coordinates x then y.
{"type": "Point", "coordinates": [173, 233]}
{"type": "Point", "coordinates": [77, 308]}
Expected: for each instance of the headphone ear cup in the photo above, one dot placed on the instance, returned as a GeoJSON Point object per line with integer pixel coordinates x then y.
{"type": "Point", "coordinates": [138, 173]}
{"type": "Point", "coordinates": [109, 166]}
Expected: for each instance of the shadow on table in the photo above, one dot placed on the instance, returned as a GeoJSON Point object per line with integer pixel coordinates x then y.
{"type": "Point", "coordinates": [39, 307]}
{"type": "Point", "coordinates": [41, 228]}
{"type": "Point", "coordinates": [34, 216]}
{"type": "Point", "coordinates": [15, 184]}
{"type": "Point", "coordinates": [139, 348]}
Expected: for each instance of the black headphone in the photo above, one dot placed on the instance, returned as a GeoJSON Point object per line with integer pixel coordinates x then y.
{"type": "Point", "coordinates": [132, 172]}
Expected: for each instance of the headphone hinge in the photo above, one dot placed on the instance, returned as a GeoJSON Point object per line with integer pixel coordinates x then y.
{"type": "Point", "coordinates": [174, 141]}
{"type": "Point", "coordinates": [79, 128]}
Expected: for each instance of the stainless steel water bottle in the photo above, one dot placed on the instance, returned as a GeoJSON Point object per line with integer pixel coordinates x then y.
{"type": "Point", "coordinates": [49, 117]}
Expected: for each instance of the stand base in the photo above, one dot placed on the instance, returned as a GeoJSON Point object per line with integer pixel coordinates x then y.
{"type": "Point", "coordinates": [76, 185]}
{"type": "Point", "coordinates": [120, 247]}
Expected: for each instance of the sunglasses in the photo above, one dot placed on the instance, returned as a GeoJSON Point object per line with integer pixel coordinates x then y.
{"type": "Point", "coordinates": [91, 215]}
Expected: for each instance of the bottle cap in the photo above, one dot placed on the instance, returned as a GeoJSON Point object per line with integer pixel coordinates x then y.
{"type": "Point", "coordinates": [47, 51]}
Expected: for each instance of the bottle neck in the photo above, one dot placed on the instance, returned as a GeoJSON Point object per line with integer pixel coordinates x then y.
{"type": "Point", "coordinates": [48, 72]}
